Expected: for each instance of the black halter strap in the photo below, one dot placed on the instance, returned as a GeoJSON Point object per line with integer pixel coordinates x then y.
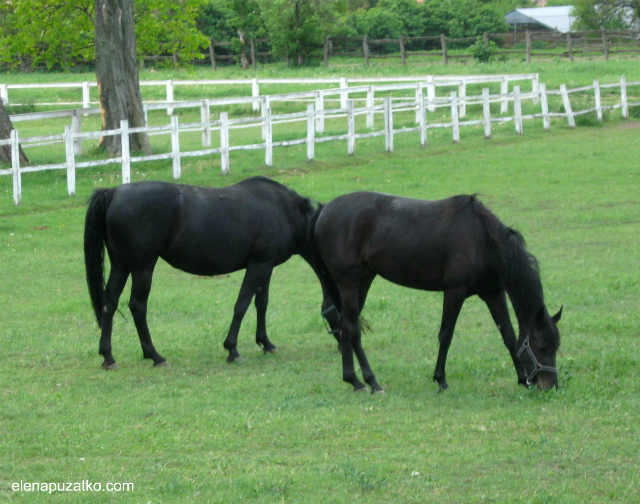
{"type": "Point", "coordinates": [537, 367]}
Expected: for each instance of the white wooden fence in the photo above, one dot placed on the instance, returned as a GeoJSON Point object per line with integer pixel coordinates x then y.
{"type": "Point", "coordinates": [254, 84]}
{"type": "Point", "coordinates": [314, 118]}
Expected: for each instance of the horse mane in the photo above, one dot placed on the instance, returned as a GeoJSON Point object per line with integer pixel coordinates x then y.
{"type": "Point", "coordinates": [518, 268]}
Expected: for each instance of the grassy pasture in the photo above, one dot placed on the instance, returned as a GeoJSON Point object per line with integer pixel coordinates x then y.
{"type": "Point", "coordinates": [283, 427]}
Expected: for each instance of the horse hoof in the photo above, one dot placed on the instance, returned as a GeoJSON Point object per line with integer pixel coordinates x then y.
{"type": "Point", "coordinates": [271, 350]}
{"type": "Point", "coordinates": [378, 391]}
{"type": "Point", "coordinates": [163, 364]}
{"type": "Point", "coordinates": [233, 358]}
{"type": "Point", "coordinates": [110, 367]}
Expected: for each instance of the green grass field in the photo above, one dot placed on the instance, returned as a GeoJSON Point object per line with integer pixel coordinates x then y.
{"type": "Point", "coordinates": [284, 427]}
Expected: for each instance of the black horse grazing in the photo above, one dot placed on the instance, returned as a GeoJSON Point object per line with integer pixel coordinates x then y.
{"type": "Point", "coordinates": [255, 225]}
{"type": "Point", "coordinates": [454, 245]}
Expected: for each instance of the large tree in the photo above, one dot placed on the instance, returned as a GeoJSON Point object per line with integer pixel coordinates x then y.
{"type": "Point", "coordinates": [117, 73]}
{"type": "Point", "coordinates": [5, 133]}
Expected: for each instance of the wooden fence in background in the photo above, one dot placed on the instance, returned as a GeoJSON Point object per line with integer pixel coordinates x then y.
{"type": "Point", "coordinates": [529, 44]}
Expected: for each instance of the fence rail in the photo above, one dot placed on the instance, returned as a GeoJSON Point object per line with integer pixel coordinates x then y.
{"type": "Point", "coordinates": [421, 105]}
{"type": "Point", "coordinates": [255, 84]}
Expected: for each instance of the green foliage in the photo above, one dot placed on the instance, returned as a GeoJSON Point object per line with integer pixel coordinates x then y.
{"type": "Point", "coordinates": [483, 53]}
{"type": "Point", "coordinates": [60, 33]}
{"type": "Point", "coordinates": [609, 14]}
{"type": "Point", "coordinates": [297, 27]}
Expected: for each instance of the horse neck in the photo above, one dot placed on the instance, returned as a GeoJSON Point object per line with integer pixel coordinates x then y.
{"type": "Point", "coordinates": [524, 287]}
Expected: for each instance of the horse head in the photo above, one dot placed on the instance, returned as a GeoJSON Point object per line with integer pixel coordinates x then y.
{"type": "Point", "coordinates": [538, 348]}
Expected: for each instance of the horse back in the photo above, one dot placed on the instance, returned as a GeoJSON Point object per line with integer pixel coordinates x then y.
{"type": "Point", "coordinates": [205, 230]}
{"type": "Point", "coordinates": [430, 245]}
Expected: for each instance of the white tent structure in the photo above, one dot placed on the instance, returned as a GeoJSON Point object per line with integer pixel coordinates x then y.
{"type": "Point", "coordinates": [558, 19]}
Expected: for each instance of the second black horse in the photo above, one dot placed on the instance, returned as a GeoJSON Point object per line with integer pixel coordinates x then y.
{"type": "Point", "coordinates": [454, 245]}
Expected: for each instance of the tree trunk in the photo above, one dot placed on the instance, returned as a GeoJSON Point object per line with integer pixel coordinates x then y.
{"type": "Point", "coordinates": [5, 133]}
{"type": "Point", "coordinates": [117, 74]}
{"type": "Point", "coordinates": [243, 50]}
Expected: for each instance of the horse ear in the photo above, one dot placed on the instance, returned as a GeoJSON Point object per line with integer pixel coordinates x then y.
{"type": "Point", "coordinates": [557, 316]}
{"type": "Point", "coordinates": [541, 316]}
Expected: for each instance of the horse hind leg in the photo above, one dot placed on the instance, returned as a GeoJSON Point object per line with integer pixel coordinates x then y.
{"type": "Point", "coordinates": [140, 288]}
{"type": "Point", "coordinates": [256, 275]}
{"type": "Point", "coordinates": [115, 285]}
{"type": "Point", "coordinates": [261, 302]}
{"type": "Point", "coordinates": [350, 335]}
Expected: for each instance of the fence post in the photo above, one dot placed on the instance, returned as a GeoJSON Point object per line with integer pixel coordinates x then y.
{"type": "Point", "coordinates": [370, 105]}
{"type": "Point", "coordinates": [252, 43]}
{"type": "Point", "coordinates": [388, 124]}
{"type": "Point", "coordinates": [126, 152]}
{"type": "Point", "coordinates": [535, 86]}
{"type": "Point", "coordinates": [419, 91]}
{"type": "Point", "coordinates": [624, 105]}
{"type": "Point", "coordinates": [70, 160]}
{"type": "Point", "coordinates": [15, 167]}
{"type": "Point", "coordinates": [422, 120]}
{"type": "Point", "coordinates": [266, 104]}
{"type": "Point", "coordinates": [546, 120]}
{"type": "Point", "coordinates": [205, 118]}
{"type": "Point", "coordinates": [76, 126]}
{"type": "Point", "coordinates": [517, 109]}
{"type": "Point", "coordinates": [320, 111]}
{"type": "Point", "coordinates": [486, 113]}
{"type": "Point", "coordinates": [605, 43]}
{"type": "Point", "coordinates": [403, 54]}
{"type": "Point", "coordinates": [175, 146]}
{"type": "Point", "coordinates": [170, 96]}
{"type": "Point", "coordinates": [344, 93]}
{"type": "Point", "coordinates": [431, 94]}
{"type": "Point", "coordinates": [311, 133]}
{"type": "Point", "coordinates": [570, 46]}
{"type": "Point", "coordinates": [212, 55]}
{"type": "Point", "coordinates": [462, 89]}
{"type": "Point", "coordinates": [443, 43]}
{"type": "Point", "coordinates": [351, 128]}
{"type": "Point", "coordinates": [4, 93]}
{"type": "Point", "coordinates": [598, 99]}
{"type": "Point", "coordinates": [504, 91]}
{"type": "Point", "coordinates": [224, 141]}
{"type": "Point", "coordinates": [268, 129]}
{"type": "Point", "coordinates": [86, 95]}
{"type": "Point", "coordinates": [255, 92]}
{"type": "Point", "coordinates": [365, 48]}
{"type": "Point", "coordinates": [455, 123]}
{"type": "Point", "coordinates": [567, 106]}
{"type": "Point", "coordinates": [527, 37]}
{"type": "Point", "coordinates": [326, 51]}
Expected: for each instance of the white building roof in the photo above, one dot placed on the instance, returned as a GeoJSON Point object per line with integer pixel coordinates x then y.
{"type": "Point", "coordinates": [554, 18]}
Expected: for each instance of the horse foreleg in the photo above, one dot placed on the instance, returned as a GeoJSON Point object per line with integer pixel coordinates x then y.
{"type": "Point", "coordinates": [261, 302]}
{"type": "Point", "coordinates": [453, 301]}
{"type": "Point", "coordinates": [140, 288]}
{"type": "Point", "coordinates": [497, 304]}
{"type": "Point", "coordinates": [115, 285]}
{"type": "Point", "coordinates": [256, 276]}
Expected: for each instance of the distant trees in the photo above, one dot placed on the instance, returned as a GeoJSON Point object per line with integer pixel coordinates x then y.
{"type": "Point", "coordinates": [60, 33]}
{"type": "Point", "coordinates": [610, 14]}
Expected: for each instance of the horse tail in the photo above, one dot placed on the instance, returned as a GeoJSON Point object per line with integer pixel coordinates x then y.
{"type": "Point", "coordinates": [95, 234]}
{"type": "Point", "coordinates": [313, 257]}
